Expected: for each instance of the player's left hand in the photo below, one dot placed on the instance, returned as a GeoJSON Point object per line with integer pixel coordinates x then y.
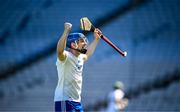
{"type": "Point", "coordinates": [97, 33]}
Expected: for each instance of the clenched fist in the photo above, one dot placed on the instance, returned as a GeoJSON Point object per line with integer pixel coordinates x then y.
{"type": "Point", "coordinates": [97, 33]}
{"type": "Point", "coordinates": [67, 26]}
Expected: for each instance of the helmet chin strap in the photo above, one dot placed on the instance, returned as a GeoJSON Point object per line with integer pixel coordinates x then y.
{"type": "Point", "coordinates": [83, 51]}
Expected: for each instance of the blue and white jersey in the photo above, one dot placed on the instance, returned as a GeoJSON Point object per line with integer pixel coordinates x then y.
{"type": "Point", "coordinates": [69, 78]}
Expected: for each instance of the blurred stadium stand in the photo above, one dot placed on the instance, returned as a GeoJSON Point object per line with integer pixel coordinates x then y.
{"type": "Point", "coordinates": [147, 29]}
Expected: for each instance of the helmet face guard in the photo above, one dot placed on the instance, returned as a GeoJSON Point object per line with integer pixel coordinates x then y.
{"type": "Point", "coordinates": [76, 38]}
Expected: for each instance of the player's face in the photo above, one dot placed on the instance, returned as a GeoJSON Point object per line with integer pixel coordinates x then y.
{"type": "Point", "coordinates": [82, 43]}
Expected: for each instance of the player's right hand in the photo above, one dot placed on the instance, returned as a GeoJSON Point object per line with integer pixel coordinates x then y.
{"type": "Point", "coordinates": [67, 26]}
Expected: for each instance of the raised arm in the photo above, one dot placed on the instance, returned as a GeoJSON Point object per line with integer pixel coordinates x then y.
{"type": "Point", "coordinates": [62, 41]}
{"type": "Point", "coordinates": [92, 46]}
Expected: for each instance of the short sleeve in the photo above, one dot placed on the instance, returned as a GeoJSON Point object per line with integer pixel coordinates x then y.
{"type": "Point", "coordinates": [83, 57]}
{"type": "Point", "coordinates": [58, 62]}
